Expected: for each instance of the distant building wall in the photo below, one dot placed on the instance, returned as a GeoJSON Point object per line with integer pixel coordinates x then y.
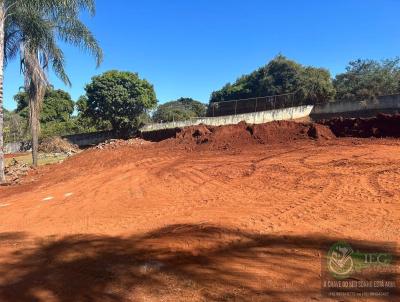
{"type": "Point", "coordinates": [386, 104]}
{"type": "Point", "coordinates": [254, 118]}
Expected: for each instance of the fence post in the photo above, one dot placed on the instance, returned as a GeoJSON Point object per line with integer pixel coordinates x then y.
{"type": "Point", "coordinates": [235, 106]}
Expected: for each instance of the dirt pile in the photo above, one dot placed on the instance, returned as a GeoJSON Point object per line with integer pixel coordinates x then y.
{"type": "Point", "coordinates": [115, 143]}
{"type": "Point", "coordinates": [243, 134]}
{"type": "Point", "coordinates": [383, 125]}
{"type": "Point", "coordinates": [16, 170]}
{"type": "Point", "coordinates": [283, 131]}
{"type": "Point", "coordinates": [57, 145]}
{"type": "Point", "coordinates": [319, 131]}
{"type": "Point", "coordinates": [215, 137]}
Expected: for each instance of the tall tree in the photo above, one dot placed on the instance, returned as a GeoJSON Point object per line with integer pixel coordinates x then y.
{"type": "Point", "coordinates": [367, 79]}
{"type": "Point", "coordinates": [120, 98]}
{"type": "Point", "coordinates": [37, 24]}
{"type": "Point", "coordinates": [40, 50]}
{"type": "Point", "coordinates": [58, 105]}
{"type": "Point", "coordinates": [13, 13]}
{"type": "Point", "coordinates": [3, 13]}
{"type": "Point", "coordinates": [179, 110]}
{"type": "Point", "coordinates": [280, 76]}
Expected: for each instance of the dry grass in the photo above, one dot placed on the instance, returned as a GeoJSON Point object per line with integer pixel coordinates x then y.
{"type": "Point", "coordinates": [44, 159]}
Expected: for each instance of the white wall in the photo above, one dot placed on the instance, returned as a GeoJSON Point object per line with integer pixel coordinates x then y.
{"type": "Point", "coordinates": [382, 102]}
{"type": "Point", "coordinates": [251, 118]}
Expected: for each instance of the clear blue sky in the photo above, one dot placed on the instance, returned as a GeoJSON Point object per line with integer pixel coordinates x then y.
{"type": "Point", "coordinates": [191, 47]}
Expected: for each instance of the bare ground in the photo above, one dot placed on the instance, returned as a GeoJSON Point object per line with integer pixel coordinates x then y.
{"type": "Point", "coordinates": [159, 223]}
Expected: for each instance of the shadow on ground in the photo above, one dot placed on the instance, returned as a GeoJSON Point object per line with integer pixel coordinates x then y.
{"type": "Point", "coordinates": [175, 263]}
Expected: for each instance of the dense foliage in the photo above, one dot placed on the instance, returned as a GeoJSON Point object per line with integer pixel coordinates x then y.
{"type": "Point", "coordinates": [280, 76]}
{"type": "Point", "coordinates": [57, 105]}
{"type": "Point", "coordinates": [179, 110]}
{"type": "Point", "coordinates": [85, 123]}
{"type": "Point", "coordinates": [56, 118]}
{"type": "Point", "coordinates": [120, 98]}
{"type": "Point", "coordinates": [56, 112]}
{"type": "Point", "coordinates": [15, 127]}
{"type": "Point", "coordinates": [367, 79]}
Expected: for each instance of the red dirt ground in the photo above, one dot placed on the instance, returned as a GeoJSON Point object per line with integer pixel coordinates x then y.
{"type": "Point", "coordinates": [15, 155]}
{"type": "Point", "coordinates": [245, 216]}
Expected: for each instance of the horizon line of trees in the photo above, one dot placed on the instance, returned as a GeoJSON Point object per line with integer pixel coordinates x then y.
{"type": "Point", "coordinates": [362, 80]}
{"type": "Point", "coordinates": [121, 101]}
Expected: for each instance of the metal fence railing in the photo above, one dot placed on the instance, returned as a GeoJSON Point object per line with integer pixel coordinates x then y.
{"type": "Point", "coordinates": [233, 107]}
{"type": "Point", "coordinates": [239, 106]}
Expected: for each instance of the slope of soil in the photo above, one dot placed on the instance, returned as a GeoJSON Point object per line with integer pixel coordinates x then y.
{"type": "Point", "coordinates": [156, 222]}
{"type": "Point", "coordinates": [383, 125]}
{"type": "Point", "coordinates": [241, 135]}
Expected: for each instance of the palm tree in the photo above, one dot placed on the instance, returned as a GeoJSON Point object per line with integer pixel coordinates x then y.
{"type": "Point", "coordinates": [31, 28]}
{"type": "Point", "coordinates": [13, 13]}
{"type": "Point", "coordinates": [5, 8]}
{"type": "Point", "coordinates": [40, 50]}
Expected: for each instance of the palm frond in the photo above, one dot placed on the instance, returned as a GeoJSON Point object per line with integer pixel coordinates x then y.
{"type": "Point", "coordinates": [73, 31]}
{"type": "Point", "coordinates": [12, 40]}
{"type": "Point", "coordinates": [41, 22]}
{"type": "Point", "coordinates": [54, 8]}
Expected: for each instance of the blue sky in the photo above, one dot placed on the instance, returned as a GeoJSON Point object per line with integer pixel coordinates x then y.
{"type": "Point", "coordinates": [188, 48]}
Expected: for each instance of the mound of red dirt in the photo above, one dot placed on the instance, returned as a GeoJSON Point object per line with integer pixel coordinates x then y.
{"type": "Point", "coordinates": [243, 134]}
{"type": "Point", "coordinates": [383, 125]}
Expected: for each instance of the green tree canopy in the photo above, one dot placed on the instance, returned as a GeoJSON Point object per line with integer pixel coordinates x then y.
{"type": "Point", "coordinates": [86, 123]}
{"type": "Point", "coordinates": [56, 113]}
{"type": "Point", "coordinates": [57, 105]}
{"type": "Point", "coordinates": [120, 98]}
{"type": "Point", "coordinates": [179, 110]}
{"type": "Point", "coordinates": [367, 79]}
{"type": "Point", "coordinates": [280, 76]}
{"type": "Point", "coordinates": [316, 85]}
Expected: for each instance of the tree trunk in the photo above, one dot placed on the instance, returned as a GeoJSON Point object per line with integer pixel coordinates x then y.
{"type": "Point", "coordinates": [2, 16]}
{"type": "Point", "coordinates": [34, 131]}
{"type": "Point", "coordinates": [35, 85]}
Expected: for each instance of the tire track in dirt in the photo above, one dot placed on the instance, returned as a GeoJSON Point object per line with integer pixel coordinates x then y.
{"type": "Point", "coordinates": [286, 210]}
{"type": "Point", "coordinates": [375, 183]}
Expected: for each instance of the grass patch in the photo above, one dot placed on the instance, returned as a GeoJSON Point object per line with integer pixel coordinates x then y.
{"type": "Point", "coordinates": [44, 159]}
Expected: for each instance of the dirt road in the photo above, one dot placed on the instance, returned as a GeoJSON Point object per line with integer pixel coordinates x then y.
{"type": "Point", "coordinates": [155, 223]}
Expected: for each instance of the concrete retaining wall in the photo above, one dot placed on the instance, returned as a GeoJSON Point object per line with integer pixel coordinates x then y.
{"type": "Point", "coordinates": [88, 139]}
{"type": "Point", "coordinates": [252, 118]}
{"type": "Point", "coordinates": [387, 104]}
